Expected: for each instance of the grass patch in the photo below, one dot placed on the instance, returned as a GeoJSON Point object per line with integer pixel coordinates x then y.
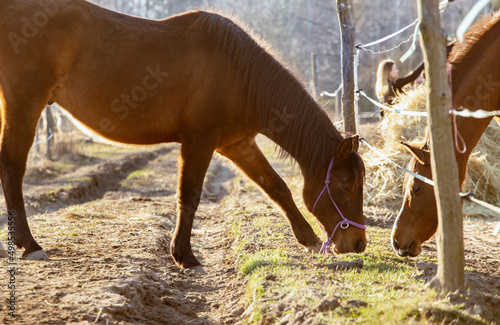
{"type": "Point", "coordinates": [80, 180]}
{"type": "Point", "coordinates": [387, 289]}
{"type": "Point", "coordinates": [285, 282]}
{"type": "Point", "coordinates": [252, 262]}
{"type": "Point", "coordinates": [137, 178]}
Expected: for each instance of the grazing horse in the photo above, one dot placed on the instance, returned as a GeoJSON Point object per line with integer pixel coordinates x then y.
{"type": "Point", "coordinates": [475, 81]}
{"type": "Point", "coordinates": [197, 79]}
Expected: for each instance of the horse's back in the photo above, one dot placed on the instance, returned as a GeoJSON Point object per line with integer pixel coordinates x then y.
{"type": "Point", "coordinates": [112, 71]}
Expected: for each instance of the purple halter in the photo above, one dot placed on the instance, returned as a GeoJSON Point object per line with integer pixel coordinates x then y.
{"type": "Point", "coordinates": [344, 223]}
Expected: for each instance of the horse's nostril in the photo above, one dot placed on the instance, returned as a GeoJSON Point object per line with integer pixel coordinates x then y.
{"type": "Point", "coordinates": [360, 246]}
{"type": "Point", "coordinates": [410, 247]}
{"type": "Point", "coordinates": [395, 243]}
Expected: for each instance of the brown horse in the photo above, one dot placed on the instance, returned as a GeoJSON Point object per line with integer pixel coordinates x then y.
{"type": "Point", "coordinates": [475, 79]}
{"type": "Point", "coordinates": [197, 79]}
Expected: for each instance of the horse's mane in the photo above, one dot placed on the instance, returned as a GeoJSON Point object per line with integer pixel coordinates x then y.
{"type": "Point", "coordinates": [483, 32]}
{"type": "Point", "coordinates": [270, 87]}
{"type": "Point", "coordinates": [478, 37]}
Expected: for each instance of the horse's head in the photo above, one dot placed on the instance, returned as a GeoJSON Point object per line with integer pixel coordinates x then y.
{"type": "Point", "coordinates": [417, 220]}
{"type": "Point", "coordinates": [346, 188]}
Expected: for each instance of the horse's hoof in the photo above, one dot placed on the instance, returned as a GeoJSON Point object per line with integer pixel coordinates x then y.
{"type": "Point", "coordinates": [3, 251]}
{"type": "Point", "coordinates": [36, 256]}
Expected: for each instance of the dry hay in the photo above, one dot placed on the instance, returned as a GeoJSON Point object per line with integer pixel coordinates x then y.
{"type": "Point", "coordinates": [384, 181]}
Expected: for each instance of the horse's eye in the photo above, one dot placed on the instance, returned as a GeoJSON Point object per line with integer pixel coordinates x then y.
{"type": "Point", "coordinates": [345, 179]}
{"type": "Point", "coordinates": [417, 188]}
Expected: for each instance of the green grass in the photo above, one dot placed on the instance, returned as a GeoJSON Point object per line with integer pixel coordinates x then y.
{"type": "Point", "coordinates": [389, 285]}
{"type": "Point", "coordinates": [282, 279]}
{"type": "Point", "coordinates": [262, 258]}
{"type": "Point", "coordinates": [83, 180]}
{"type": "Point", "coordinates": [62, 165]}
{"type": "Point", "coordinates": [138, 177]}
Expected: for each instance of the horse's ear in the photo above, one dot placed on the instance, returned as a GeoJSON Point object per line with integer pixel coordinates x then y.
{"type": "Point", "coordinates": [347, 146]}
{"type": "Point", "coordinates": [423, 156]}
{"type": "Point", "coordinates": [355, 142]}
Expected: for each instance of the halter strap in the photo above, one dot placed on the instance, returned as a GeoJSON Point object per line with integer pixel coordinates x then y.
{"type": "Point", "coordinates": [456, 133]}
{"type": "Point", "coordinates": [344, 223]}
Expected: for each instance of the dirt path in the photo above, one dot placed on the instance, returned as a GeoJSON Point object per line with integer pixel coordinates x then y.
{"type": "Point", "coordinates": [107, 231]}
{"type": "Point", "coordinates": [108, 243]}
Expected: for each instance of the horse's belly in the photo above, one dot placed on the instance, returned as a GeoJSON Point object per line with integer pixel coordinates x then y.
{"type": "Point", "coordinates": [145, 124]}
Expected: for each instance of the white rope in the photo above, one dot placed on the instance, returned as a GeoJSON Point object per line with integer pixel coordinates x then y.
{"type": "Point", "coordinates": [356, 94]}
{"type": "Point", "coordinates": [442, 6]}
{"type": "Point", "coordinates": [388, 50]}
{"type": "Point", "coordinates": [395, 110]}
{"type": "Point", "coordinates": [463, 112]}
{"type": "Point", "coordinates": [467, 196]}
{"type": "Point", "coordinates": [334, 94]}
{"type": "Point", "coordinates": [470, 197]}
{"type": "Point", "coordinates": [413, 46]}
{"type": "Point", "coordinates": [418, 176]}
{"type": "Point", "coordinates": [364, 46]}
{"type": "Point", "coordinates": [469, 18]}
{"type": "Point", "coordinates": [475, 114]}
{"type": "Point", "coordinates": [37, 143]}
{"type": "Point", "coordinates": [497, 229]}
{"type": "Point", "coordinates": [326, 93]}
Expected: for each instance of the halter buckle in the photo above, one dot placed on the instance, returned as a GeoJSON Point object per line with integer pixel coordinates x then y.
{"type": "Point", "coordinates": [344, 225]}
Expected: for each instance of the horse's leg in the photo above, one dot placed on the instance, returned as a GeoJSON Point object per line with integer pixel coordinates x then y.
{"type": "Point", "coordinates": [248, 157]}
{"type": "Point", "coordinates": [195, 157]}
{"type": "Point", "coordinates": [21, 115]}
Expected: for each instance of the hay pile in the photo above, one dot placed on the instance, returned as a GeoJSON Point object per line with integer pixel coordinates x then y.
{"type": "Point", "coordinates": [384, 181]}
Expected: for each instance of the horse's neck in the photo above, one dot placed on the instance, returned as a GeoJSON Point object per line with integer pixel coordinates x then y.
{"type": "Point", "coordinates": [308, 136]}
{"type": "Point", "coordinates": [475, 85]}
{"type": "Point", "coordinates": [475, 88]}
{"type": "Point", "coordinates": [471, 130]}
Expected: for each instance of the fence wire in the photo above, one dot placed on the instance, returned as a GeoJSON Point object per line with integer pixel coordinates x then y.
{"type": "Point", "coordinates": [467, 196]}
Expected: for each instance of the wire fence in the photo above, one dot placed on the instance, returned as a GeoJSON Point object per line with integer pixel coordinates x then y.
{"type": "Point", "coordinates": [455, 112]}
{"type": "Point", "coordinates": [468, 196]}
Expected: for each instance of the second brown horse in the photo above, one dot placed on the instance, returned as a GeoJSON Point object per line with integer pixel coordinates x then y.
{"type": "Point", "coordinates": [475, 77]}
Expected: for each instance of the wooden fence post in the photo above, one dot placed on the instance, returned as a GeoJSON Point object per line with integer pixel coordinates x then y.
{"type": "Point", "coordinates": [49, 120]}
{"type": "Point", "coordinates": [347, 41]}
{"type": "Point", "coordinates": [450, 274]}
{"type": "Point", "coordinates": [337, 103]}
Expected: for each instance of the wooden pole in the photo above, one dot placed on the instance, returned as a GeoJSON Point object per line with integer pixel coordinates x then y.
{"type": "Point", "coordinates": [314, 76]}
{"type": "Point", "coordinates": [450, 274]}
{"type": "Point", "coordinates": [337, 103]}
{"type": "Point", "coordinates": [49, 120]}
{"type": "Point", "coordinates": [347, 41]}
